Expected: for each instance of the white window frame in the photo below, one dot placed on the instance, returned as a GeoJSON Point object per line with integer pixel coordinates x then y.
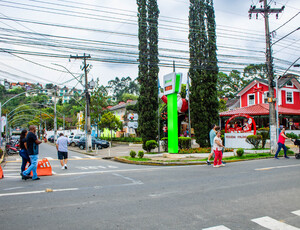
{"type": "Point", "coordinates": [286, 96]}
{"type": "Point", "coordinates": [289, 85]}
{"type": "Point", "coordinates": [265, 96]}
{"type": "Point", "coordinates": [249, 99]}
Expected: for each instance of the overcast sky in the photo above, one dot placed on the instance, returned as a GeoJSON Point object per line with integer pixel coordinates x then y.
{"type": "Point", "coordinates": [36, 36]}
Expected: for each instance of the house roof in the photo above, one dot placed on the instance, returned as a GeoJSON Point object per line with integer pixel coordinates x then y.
{"type": "Point", "coordinates": [234, 102]}
{"type": "Point", "coordinates": [281, 83]}
{"type": "Point", "coordinates": [251, 84]}
{"type": "Point", "coordinates": [123, 105]}
{"type": "Point", "coordinates": [259, 110]}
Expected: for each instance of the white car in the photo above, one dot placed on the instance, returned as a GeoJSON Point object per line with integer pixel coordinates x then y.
{"type": "Point", "coordinates": [70, 138]}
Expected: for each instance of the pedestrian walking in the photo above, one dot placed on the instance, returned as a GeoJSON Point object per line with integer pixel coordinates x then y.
{"type": "Point", "coordinates": [281, 141]}
{"type": "Point", "coordinates": [212, 135]}
{"type": "Point", "coordinates": [62, 150]}
{"type": "Point", "coordinates": [218, 147]}
{"type": "Point", "coordinates": [23, 150]}
{"type": "Point", "coordinates": [32, 144]}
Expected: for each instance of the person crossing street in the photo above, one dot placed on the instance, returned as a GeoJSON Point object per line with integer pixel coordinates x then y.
{"type": "Point", "coordinates": [62, 150]}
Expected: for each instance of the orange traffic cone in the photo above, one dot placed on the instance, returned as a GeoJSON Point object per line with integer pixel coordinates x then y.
{"type": "Point", "coordinates": [1, 173]}
{"type": "Point", "coordinates": [43, 168]}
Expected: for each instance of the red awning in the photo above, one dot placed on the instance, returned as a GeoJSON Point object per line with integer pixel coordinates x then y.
{"type": "Point", "coordinates": [259, 110]}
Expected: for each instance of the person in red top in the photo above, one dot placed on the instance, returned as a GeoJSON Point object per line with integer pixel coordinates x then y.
{"type": "Point", "coordinates": [281, 144]}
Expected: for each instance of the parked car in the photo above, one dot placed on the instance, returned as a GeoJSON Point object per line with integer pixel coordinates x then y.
{"type": "Point", "coordinates": [70, 138]}
{"type": "Point", "coordinates": [75, 140]}
{"type": "Point", "coordinates": [51, 138]}
{"type": "Point", "coordinates": [95, 143]}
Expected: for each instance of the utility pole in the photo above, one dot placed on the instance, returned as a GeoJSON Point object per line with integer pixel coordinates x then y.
{"type": "Point", "coordinates": [88, 131]}
{"type": "Point", "coordinates": [266, 10]}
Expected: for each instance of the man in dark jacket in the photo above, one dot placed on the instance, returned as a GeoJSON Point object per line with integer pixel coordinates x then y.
{"type": "Point", "coordinates": [33, 151]}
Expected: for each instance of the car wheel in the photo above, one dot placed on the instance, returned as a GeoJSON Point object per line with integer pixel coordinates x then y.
{"type": "Point", "coordinates": [73, 144]}
{"type": "Point", "coordinates": [81, 147]}
{"type": "Point", "coordinates": [99, 146]}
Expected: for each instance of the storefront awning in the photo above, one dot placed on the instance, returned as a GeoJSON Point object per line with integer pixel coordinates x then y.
{"type": "Point", "coordinates": [259, 110]}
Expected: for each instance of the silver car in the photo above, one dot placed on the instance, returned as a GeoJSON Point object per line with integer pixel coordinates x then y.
{"type": "Point", "coordinates": [75, 140]}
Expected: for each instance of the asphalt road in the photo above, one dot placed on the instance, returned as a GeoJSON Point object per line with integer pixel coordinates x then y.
{"type": "Point", "coordinates": [100, 194]}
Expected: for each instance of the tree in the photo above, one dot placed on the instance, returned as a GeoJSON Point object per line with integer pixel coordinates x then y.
{"type": "Point", "coordinates": [148, 68]}
{"type": "Point", "coordinates": [49, 86]}
{"type": "Point", "coordinates": [229, 85]}
{"type": "Point", "coordinates": [128, 96]}
{"type": "Point", "coordinates": [255, 70]}
{"type": "Point", "coordinates": [98, 104]}
{"type": "Point", "coordinates": [111, 122]}
{"type": "Point", "coordinates": [203, 68]}
{"type": "Point", "coordinates": [124, 85]}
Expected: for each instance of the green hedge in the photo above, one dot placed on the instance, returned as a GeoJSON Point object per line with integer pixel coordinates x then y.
{"type": "Point", "coordinates": [293, 135]}
{"type": "Point", "coordinates": [184, 142]}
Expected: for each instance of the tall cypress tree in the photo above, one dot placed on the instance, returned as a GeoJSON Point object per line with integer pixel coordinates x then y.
{"type": "Point", "coordinates": [203, 68]}
{"type": "Point", "coordinates": [148, 68]}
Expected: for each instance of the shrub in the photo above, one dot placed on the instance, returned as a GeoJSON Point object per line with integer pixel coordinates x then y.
{"type": "Point", "coordinates": [165, 144]}
{"type": "Point", "coordinates": [151, 144]}
{"type": "Point", "coordinates": [292, 135]}
{"type": "Point", "coordinates": [240, 152]}
{"type": "Point", "coordinates": [1, 152]}
{"type": "Point", "coordinates": [254, 140]}
{"type": "Point", "coordinates": [184, 142]}
{"type": "Point", "coordinates": [141, 154]}
{"type": "Point", "coordinates": [265, 134]}
{"type": "Point", "coordinates": [132, 153]}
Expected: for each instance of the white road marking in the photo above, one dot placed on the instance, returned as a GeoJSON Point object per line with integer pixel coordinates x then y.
{"type": "Point", "coordinates": [9, 170]}
{"type": "Point", "coordinates": [296, 212]}
{"type": "Point", "coordinates": [273, 224]}
{"type": "Point", "coordinates": [76, 157]}
{"type": "Point", "coordinates": [49, 158]}
{"type": "Point", "coordinates": [126, 170]}
{"type": "Point", "coordinates": [36, 192]}
{"type": "Point", "coordinates": [112, 167]}
{"type": "Point", "coordinates": [90, 157]}
{"type": "Point", "coordinates": [130, 179]}
{"type": "Point", "coordinates": [278, 167]}
{"type": "Point", "coordinates": [7, 189]}
{"type": "Point", "coordinates": [221, 227]}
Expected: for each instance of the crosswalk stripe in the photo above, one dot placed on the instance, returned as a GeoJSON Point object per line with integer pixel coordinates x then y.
{"type": "Point", "coordinates": [112, 167]}
{"type": "Point", "coordinates": [76, 157]}
{"type": "Point", "coordinates": [220, 227]}
{"type": "Point", "coordinates": [90, 157]}
{"type": "Point", "coordinates": [49, 158]}
{"type": "Point", "coordinates": [273, 224]}
{"type": "Point", "coordinates": [296, 212]}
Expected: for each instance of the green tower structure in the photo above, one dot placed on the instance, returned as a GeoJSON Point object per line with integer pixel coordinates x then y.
{"type": "Point", "coordinates": [172, 86]}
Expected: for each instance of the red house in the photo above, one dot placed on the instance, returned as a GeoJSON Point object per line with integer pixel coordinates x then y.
{"type": "Point", "coordinates": [253, 100]}
{"type": "Point", "coordinates": [257, 92]}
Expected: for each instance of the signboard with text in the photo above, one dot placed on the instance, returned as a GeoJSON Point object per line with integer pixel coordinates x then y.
{"type": "Point", "coordinates": [237, 140]}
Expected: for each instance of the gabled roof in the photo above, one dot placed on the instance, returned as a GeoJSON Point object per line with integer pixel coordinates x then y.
{"type": "Point", "coordinates": [281, 83]}
{"type": "Point", "coordinates": [251, 84]}
{"type": "Point", "coordinates": [286, 78]}
{"type": "Point", "coordinates": [259, 110]}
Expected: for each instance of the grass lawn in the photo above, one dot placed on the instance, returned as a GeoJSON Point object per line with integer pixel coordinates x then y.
{"type": "Point", "coordinates": [232, 158]}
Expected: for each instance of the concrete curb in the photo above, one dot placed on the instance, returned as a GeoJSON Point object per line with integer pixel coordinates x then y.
{"type": "Point", "coordinates": [154, 163]}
